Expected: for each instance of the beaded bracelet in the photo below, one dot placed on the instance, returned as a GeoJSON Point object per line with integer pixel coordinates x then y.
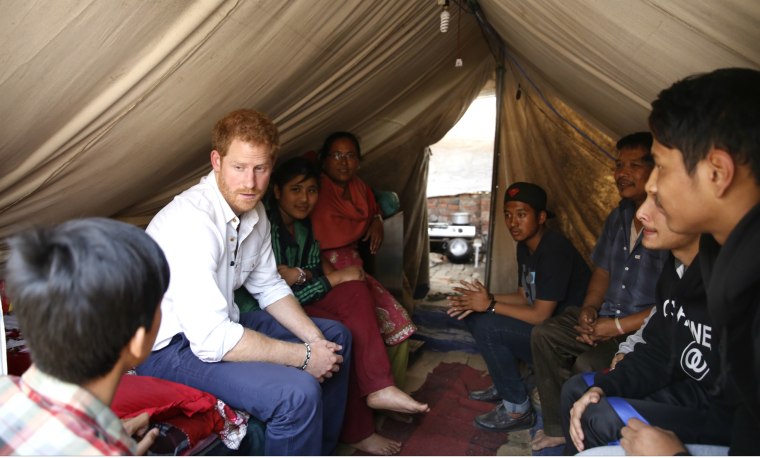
{"type": "Point", "coordinates": [308, 356]}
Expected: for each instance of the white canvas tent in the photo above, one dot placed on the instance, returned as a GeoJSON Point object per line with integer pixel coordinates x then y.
{"type": "Point", "coordinates": [106, 107]}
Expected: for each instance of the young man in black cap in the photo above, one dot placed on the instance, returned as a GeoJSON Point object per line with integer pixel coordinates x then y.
{"type": "Point", "coordinates": [551, 274]}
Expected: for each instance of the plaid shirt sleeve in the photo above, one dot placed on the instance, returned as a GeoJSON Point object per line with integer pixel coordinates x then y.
{"type": "Point", "coordinates": [42, 416]}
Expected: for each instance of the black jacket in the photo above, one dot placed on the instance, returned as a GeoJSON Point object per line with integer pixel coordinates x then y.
{"type": "Point", "coordinates": [678, 342]}
{"type": "Point", "coordinates": [732, 276]}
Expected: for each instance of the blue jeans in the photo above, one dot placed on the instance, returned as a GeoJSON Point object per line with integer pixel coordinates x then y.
{"type": "Point", "coordinates": [303, 417]}
{"type": "Point", "coordinates": [503, 341]}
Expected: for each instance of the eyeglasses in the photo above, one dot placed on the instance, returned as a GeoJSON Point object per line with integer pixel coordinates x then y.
{"type": "Point", "coordinates": [338, 156]}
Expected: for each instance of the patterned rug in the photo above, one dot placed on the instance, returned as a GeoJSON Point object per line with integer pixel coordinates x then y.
{"type": "Point", "coordinates": [448, 428]}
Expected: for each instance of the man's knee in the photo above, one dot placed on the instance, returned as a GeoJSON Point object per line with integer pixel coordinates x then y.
{"type": "Point", "coordinates": [479, 324]}
{"type": "Point", "coordinates": [538, 333]}
{"type": "Point", "coordinates": [334, 331]}
{"type": "Point", "coordinates": [543, 334]}
{"type": "Point", "coordinates": [303, 396]}
{"type": "Point", "coordinates": [600, 424]}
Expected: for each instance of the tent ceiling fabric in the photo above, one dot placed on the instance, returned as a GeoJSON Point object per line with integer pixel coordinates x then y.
{"type": "Point", "coordinates": [599, 64]}
{"type": "Point", "coordinates": [107, 107]}
{"type": "Point", "coordinates": [609, 59]}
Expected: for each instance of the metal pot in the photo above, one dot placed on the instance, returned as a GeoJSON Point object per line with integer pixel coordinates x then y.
{"type": "Point", "coordinates": [460, 218]}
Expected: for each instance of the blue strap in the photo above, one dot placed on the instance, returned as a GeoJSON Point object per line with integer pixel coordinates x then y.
{"type": "Point", "coordinates": [622, 408]}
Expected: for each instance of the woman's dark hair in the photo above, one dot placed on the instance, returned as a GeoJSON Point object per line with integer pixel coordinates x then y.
{"type": "Point", "coordinates": [292, 168]}
{"type": "Point", "coordinates": [81, 290]}
{"type": "Point", "coordinates": [335, 136]}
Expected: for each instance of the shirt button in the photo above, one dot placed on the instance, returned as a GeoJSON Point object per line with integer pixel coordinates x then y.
{"type": "Point", "coordinates": [232, 239]}
{"type": "Point", "coordinates": [626, 268]}
{"type": "Point", "coordinates": [625, 248]}
{"type": "Point", "coordinates": [623, 286]}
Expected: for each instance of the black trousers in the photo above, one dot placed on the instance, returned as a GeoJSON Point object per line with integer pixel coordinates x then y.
{"type": "Point", "coordinates": [682, 407]}
{"type": "Point", "coordinates": [557, 356]}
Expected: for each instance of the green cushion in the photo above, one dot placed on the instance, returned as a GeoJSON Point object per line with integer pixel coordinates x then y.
{"type": "Point", "coordinates": [389, 203]}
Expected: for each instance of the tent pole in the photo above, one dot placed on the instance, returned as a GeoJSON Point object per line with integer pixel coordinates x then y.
{"type": "Point", "coordinates": [491, 36]}
{"type": "Point", "coordinates": [500, 72]}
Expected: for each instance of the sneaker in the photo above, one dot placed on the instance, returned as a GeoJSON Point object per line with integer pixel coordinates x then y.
{"type": "Point", "coordinates": [488, 395]}
{"type": "Point", "coordinates": [499, 420]}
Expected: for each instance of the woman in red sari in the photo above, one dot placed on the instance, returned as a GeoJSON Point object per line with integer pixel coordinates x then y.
{"type": "Point", "coordinates": [347, 213]}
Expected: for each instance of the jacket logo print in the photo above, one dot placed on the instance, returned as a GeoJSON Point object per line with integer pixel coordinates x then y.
{"type": "Point", "coordinates": [693, 362]}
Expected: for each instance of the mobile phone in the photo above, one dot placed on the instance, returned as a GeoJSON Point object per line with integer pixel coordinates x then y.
{"type": "Point", "coordinates": [171, 441]}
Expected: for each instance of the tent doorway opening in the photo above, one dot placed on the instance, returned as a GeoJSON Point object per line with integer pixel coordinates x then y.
{"type": "Point", "coordinates": [459, 185]}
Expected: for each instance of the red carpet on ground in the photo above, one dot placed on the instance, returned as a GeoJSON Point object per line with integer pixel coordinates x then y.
{"type": "Point", "coordinates": [448, 428]}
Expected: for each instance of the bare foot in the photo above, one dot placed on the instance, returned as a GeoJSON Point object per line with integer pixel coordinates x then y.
{"type": "Point", "coordinates": [378, 445]}
{"type": "Point", "coordinates": [541, 441]}
{"type": "Point", "coordinates": [539, 436]}
{"type": "Point", "coordinates": [392, 398]}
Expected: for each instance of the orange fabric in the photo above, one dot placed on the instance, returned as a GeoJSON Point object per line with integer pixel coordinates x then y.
{"type": "Point", "coordinates": [339, 222]}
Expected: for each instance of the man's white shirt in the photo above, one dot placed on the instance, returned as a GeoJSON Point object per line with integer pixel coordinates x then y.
{"type": "Point", "coordinates": [200, 234]}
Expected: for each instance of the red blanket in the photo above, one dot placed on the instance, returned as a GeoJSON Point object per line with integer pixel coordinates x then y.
{"type": "Point", "coordinates": [193, 411]}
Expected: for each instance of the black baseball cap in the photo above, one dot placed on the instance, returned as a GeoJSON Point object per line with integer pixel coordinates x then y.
{"type": "Point", "coordinates": [532, 194]}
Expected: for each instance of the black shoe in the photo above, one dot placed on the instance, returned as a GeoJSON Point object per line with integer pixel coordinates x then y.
{"type": "Point", "coordinates": [488, 395]}
{"type": "Point", "coordinates": [499, 420]}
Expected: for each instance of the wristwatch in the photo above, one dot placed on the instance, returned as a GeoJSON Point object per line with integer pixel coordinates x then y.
{"type": "Point", "coordinates": [491, 307]}
{"type": "Point", "coordinates": [301, 276]}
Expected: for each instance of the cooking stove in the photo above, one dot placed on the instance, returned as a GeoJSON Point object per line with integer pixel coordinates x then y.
{"type": "Point", "coordinates": [450, 230]}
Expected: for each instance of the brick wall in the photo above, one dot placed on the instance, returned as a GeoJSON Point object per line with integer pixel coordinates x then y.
{"type": "Point", "coordinates": [478, 205]}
